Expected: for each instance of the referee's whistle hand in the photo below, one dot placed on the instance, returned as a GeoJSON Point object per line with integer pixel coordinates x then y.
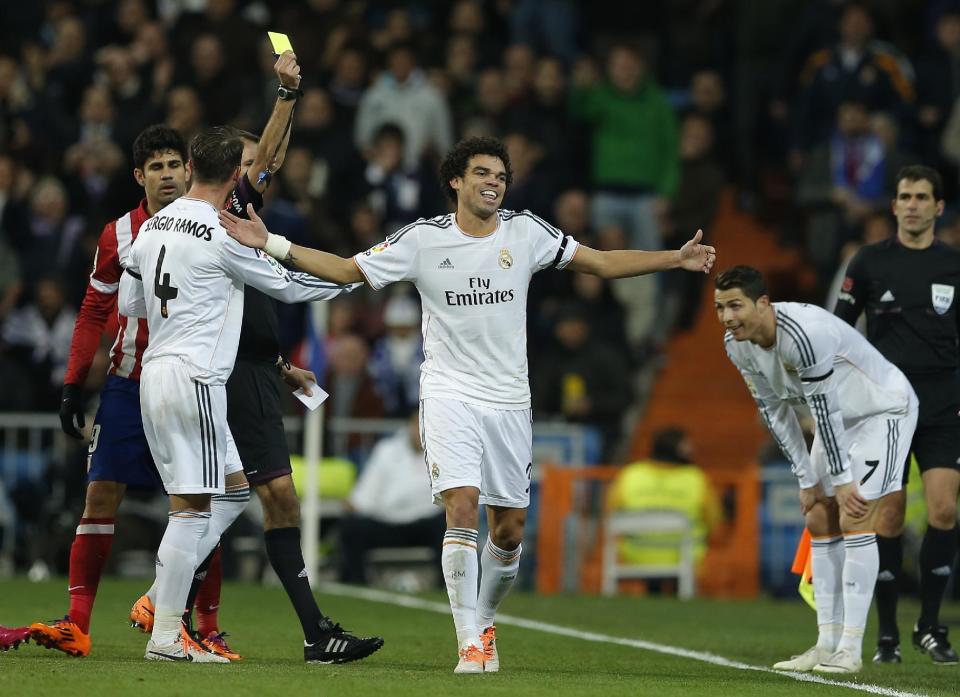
{"type": "Point", "coordinates": [300, 378]}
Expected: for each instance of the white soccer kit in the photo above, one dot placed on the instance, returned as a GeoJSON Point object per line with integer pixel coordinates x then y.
{"type": "Point", "coordinates": [191, 291]}
{"type": "Point", "coordinates": [864, 407]}
{"type": "Point", "coordinates": [474, 294]}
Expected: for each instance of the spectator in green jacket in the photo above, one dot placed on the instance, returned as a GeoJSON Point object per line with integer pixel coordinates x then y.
{"type": "Point", "coordinates": [635, 166]}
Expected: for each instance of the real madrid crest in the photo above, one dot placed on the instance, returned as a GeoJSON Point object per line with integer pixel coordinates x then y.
{"type": "Point", "coordinates": [506, 261]}
{"type": "Point", "coordinates": [435, 471]}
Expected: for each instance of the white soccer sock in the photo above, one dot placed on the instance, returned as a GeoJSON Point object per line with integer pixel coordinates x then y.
{"type": "Point", "coordinates": [498, 571]}
{"type": "Point", "coordinates": [176, 562]}
{"type": "Point", "coordinates": [859, 578]}
{"type": "Point", "coordinates": [827, 566]}
{"type": "Point", "coordinates": [224, 509]}
{"type": "Point", "coordinates": [460, 570]}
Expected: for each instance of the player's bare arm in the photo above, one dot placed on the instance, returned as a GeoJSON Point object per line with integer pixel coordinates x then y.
{"type": "Point", "coordinates": [623, 263]}
{"type": "Point", "coordinates": [276, 134]}
{"type": "Point", "coordinates": [253, 233]}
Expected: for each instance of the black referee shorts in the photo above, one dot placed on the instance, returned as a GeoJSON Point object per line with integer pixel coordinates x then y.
{"type": "Point", "coordinates": [936, 442]}
{"type": "Point", "coordinates": [255, 417]}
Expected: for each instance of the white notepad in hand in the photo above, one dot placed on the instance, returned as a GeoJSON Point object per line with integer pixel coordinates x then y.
{"type": "Point", "coordinates": [313, 401]}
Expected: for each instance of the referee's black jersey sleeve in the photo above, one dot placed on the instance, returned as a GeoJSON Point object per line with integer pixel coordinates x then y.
{"type": "Point", "coordinates": [260, 329]}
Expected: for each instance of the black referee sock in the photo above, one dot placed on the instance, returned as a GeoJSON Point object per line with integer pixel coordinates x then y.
{"type": "Point", "coordinates": [286, 558]}
{"type": "Point", "coordinates": [198, 576]}
{"type": "Point", "coordinates": [888, 584]}
{"type": "Point", "coordinates": [937, 554]}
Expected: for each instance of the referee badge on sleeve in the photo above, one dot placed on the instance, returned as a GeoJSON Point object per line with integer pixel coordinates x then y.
{"type": "Point", "coordinates": [942, 296]}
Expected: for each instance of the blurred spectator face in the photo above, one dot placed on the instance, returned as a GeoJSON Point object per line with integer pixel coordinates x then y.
{"type": "Point", "coordinates": [549, 81]}
{"type": "Point", "coordinates": [398, 26]}
{"type": "Point", "coordinates": [467, 18]}
{"type": "Point", "coordinates": [856, 26]}
{"type": "Point", "coordinates": [184, 112]}
{"type": "Point", "coordinates": [49, 298]}
{"type": "Point", "coordinates": [8, 75]}
{"type": "Point", "coordinates": [877, 228]}
{"type": "Point", "coordinates": [314, 110]}
{"type": "Point", "coordinates": [696, 138]}
{"type": "Point", "coordinates": [296, 168]}
{"type": "Point", "coordinates": [461, 57]}
{"type": "Point", "coordinates": [884, 126]}
{"type": "Point", "coordinates": [96, 107]}
{"type": "Point", "coordinates": [219, 10]}
{"type": "Point", "coordinates": [119, 66]}
{"type": "Point", "coordinates": [348, 355]}
{"type": "Point", "coordinates": [707, 92]}
{"type": "Point", "coordinates": [351, 68]}
{"type": "Point", "coordinates": [587, 286]}
{"type": "Point", "coordinates": [572, 212]}
{"type": "Point", "coordinates": [130, 15]}
{"type": "Point", "coordinates": [518, 62]}
{"type": "Point", "coordinates": [163, 178]}
{"type": "Point", "coordinates": [491, 96]}
{"type": "Point", "coordinates": [387, 150]}
{"type": "Point", "coordinates": [572, 332]}
{"type": "Point", "coordinates": [343, 316]}
{"type": "Point", "coordinates": [625, 69]}
{"type": "Point", "coordinates": [524, 154]}
{"type": "Point", "coordinates": [413, 429]}
{"type": "Point", "coordinates": [948, 32]}
{"type": "Point", "coordinates": [207, 57]}
{"type": "Point", "coordinates": [853, 119]}
{"type": "Point", "coordinates": [612, 237]}
{"type": "Point", "coordinates": [70, 40]}
{"type": "Point", "coordinates": [151, 42]}
{"type": "Point", "coordinates": [401, 63]}
{"type": "Point", "coordinates": [6, 173]}
{"type": "Point", "coordinates": [366, 226]}
{"type": "Point", "coordinates": [49, 201]}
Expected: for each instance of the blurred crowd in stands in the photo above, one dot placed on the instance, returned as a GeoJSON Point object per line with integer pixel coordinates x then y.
{"type": "Point", "coordinates": [624, 123]}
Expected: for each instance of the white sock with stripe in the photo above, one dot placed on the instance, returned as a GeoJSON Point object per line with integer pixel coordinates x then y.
{"type": "Point", "coordinates": [460, 570]}
{"type": "Point", "coordinates": [176, 562]}
{"type": "Point", "coordinates": [860, 568]}
{"type": "Point", "coordinates": [827, 567]}
{"type": "Point", "coordinates": [224, 509]}
{"type": "Point", "coordinates": [498, 571]}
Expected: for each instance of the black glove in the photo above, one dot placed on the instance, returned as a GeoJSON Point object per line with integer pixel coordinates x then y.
{"type": "Point", "coordinates": [71, 411]}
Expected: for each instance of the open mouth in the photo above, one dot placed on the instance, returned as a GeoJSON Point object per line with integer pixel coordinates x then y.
{"type": "Point", "coordinates": [489, 195]}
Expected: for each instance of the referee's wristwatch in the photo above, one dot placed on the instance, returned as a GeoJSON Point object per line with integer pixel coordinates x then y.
{"type": "Point", "coordinates": [289, 93]}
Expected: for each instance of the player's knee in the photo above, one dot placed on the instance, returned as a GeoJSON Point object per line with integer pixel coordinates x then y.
{"type": "Point", "coordinates": [461, 509]}
{"type": "Point", "coordinates": [942, 513]}
{"type": "Point", "coordinates": [103, 499]}
{"type": "Point", "coordinates": [823, 519]}
{"type": "Point", "coordinates": [281, 507]}
{"type": "Point", "coordinates": [889, 521]}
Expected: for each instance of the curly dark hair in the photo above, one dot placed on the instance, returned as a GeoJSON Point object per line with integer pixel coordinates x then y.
{"type": "Point", "coordinates": [154, 139]}
{"type": "Point", "coordinates": [455, 163]}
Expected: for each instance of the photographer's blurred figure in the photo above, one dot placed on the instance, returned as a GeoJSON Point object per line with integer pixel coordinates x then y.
{"type": "Point", "coordinates": [391, 505]}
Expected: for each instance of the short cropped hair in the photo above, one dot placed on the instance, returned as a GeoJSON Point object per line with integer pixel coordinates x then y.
{"type": "Point", "coordinates": [915, 173]}
{"type": "Point", "coordinates": [155, 139]}
{"type": "Point", "coordinates": [746, 278]}
{"type": "Point", "coordinates": [455, 163]}
{"type": "Point", "coordinates": [215, 154]}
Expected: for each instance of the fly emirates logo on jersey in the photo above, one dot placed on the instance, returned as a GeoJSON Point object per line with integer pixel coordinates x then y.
{"type": "Point", "coordinates": [184, 225]}
{"type": "Point", "coordinates": [479, 293]}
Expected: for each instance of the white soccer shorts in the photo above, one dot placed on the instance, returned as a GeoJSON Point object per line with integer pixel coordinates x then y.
{"type": "Point", "coordinates": [478, 446]}
{"type": "Point", "coordinates": [185, 423]}
{"type": "Point", "coordinates": [879, 448]}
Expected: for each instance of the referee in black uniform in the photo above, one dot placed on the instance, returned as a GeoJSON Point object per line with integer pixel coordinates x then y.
{"type": "Point", "coordinates": [909, 288]}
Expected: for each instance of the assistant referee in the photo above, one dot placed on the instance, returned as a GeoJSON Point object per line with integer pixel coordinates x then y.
{"type": "Point", "coordinates": [907, 286]}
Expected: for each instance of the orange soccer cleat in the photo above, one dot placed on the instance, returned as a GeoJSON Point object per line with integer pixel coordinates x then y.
{"type": "Point", "coordinates": [491, 659]}
{"type": "Point", "coordinates": [141, 615]}
{"type": "Point", "coordinates": [215, 643]}
{"type": "Point", "coordinates": [62, 635]}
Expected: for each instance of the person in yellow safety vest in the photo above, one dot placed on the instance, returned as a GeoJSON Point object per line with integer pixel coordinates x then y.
{"type": "Point", "coordinates": [669, 480]}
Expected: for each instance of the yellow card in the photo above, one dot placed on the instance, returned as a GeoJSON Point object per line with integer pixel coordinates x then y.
{"type": "Point", "coordinates": [281, 42]}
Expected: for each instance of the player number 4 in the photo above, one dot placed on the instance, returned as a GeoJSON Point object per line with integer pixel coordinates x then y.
{"type": "Point", "coordinates": [164, 290]}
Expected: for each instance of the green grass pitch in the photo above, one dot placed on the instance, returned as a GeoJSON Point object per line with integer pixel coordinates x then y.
{"type": "Point", "coordinates": [420, 649]}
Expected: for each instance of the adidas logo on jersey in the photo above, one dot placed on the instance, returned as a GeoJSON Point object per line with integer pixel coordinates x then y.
{"type": "Point", "coordinates": [446, 264]}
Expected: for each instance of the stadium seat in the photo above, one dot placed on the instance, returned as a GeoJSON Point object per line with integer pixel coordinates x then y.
{"type": "Point", "coordinates": [651, 528]}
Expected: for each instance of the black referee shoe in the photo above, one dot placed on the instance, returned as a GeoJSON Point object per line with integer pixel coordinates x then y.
{"type": "Point", "coordinates": [336, 645]}
{"type": "Point", "coordinates": [933, 642]}
{"type": "Point", "coordinates": [888, 650]}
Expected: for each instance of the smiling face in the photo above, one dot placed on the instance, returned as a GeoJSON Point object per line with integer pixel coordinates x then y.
{"type": "Point", "coordinates": [163, 177]}
{"type": "Point", "coordinates": [740, 315]}
{"type": "Point", "coordinates": [480, 190]}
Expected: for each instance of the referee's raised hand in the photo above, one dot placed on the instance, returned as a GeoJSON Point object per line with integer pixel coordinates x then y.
{"type": "Point", "coordinates": [287, 70]}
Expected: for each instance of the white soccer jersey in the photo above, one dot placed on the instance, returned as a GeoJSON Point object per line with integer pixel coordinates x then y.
{"type": "Point", "coordinates": [191, 292]}
{"type": "Point", "coordinates": [474, 292]}
{"type": "Point", "coordinates": [818, 360]}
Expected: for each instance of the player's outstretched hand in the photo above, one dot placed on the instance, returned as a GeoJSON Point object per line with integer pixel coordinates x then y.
{"type": "Point", "coordinates": [71, 411]}
{"type": "Point", "coordinates": [299, 377]}
{"type": "Point", "coordinates": [287, 70]}
{"type": "Point", "coordinates": [249, 233]}
{"type": "Point", "coordinates": [697, 257]}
